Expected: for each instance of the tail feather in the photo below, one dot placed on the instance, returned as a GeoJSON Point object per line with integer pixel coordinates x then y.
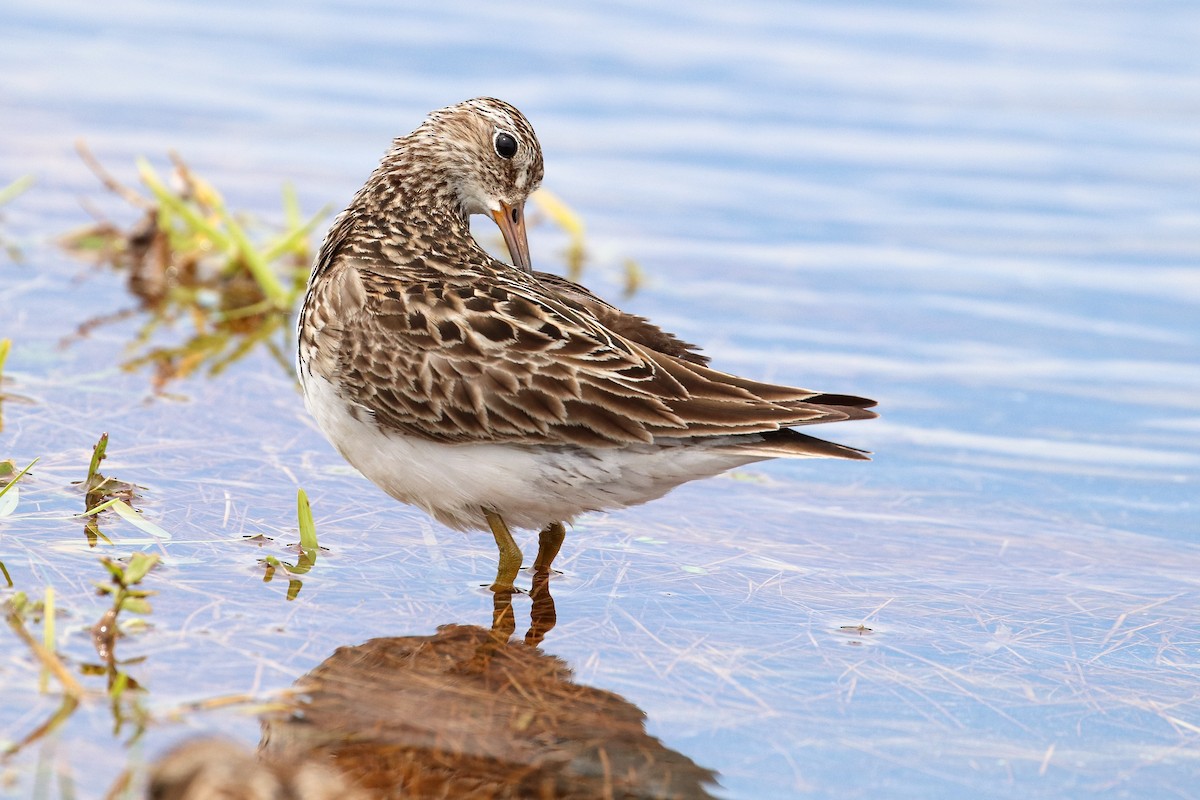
{"type": "Point", "coordinates": [787, 443]}
{"type": "Point", "coordinates": [850, 411]}
{"type": "Point", "coordinates": [841, 400]}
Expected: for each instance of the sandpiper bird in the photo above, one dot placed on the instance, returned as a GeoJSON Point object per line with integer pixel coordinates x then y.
{"type": "Point", "coordinates": [491, 395]}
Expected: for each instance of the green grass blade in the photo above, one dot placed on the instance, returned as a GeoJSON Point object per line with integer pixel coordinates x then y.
{"type": "Point", "coordinates": [189, 215]}
{"type": "Point", "coordinates": [98, 453]}
{"type": "Point", "coordinates": [308, 528]}
{"type": "Point", "coordinates": [139, 564]}
{"type": "Point", "coordinates": [291, 206]}
{"type": "Point", "coordinates": [12, 484]}
{"type": "Point", "coordinates": [8, 503]}
{"type": "Point", "coordinates": [48, 635]}
{"type": "Point", "coordinates": [134, 518]}
{"type": "Point", "coordinates": [107, 504]}
{"type": "Point", "coordinates": [255, 262]}
{"type": "Point", "coordinates": [294, 236]}
{"type": "Point", "coordinates": [15, 188]}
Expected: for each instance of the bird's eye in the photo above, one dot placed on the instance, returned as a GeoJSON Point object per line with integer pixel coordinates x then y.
{"type": "Point", "coordinates": [506, 145]}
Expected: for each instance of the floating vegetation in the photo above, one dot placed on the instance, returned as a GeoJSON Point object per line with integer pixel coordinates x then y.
{"type": "Point", "coordinates": [309, 549]}
{"type": "Point", "coordinates": [128, 599]}
{"type": "Point", "coordinates": [122, 689]}
{"type": "Point", "coordinates": [123, 616]}
{"type": "Point", "coordinates": [10, 496]}
{"type": "Point", "coordinates": [190, 261]}
{"type": "Point", "coordinates": [9, 493]}
{"type": "Point", "coordinates": [19, 609]}
{"type": "Point", "coordinates": [101, 493]}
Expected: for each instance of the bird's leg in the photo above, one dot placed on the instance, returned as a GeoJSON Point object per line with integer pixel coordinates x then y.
{"type": "Point", "coordinates": [510, 554]}
{"type": "Point", "coordinates": [549, 542]}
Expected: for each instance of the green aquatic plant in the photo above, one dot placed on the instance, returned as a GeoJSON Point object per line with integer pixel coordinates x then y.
{"type": "Point", "coordinates": [101, 493]}
{"type": "Point", "coordinates": [309, 549]}
{"type": "Point", "coordinates": [9, 493]}
{"type": "Point", "coordinates": [9, 192]}
{"type": "Point", "coordinates": [124, 614]}
{"type": "Point", "coordinates": [123, 578]}
{"type": "Point", "coordinates": [308, 528]}
{"type": "Point", "coordinates": [127, 598]}
{"type": "Point", "coordinates": [10, 496]}
{"type": "Point", "coordinates": [193, 262]}
{"type": "Point", "coordinates": [5, 347]}
{"type": "Point", "coordinates": [19, 609]}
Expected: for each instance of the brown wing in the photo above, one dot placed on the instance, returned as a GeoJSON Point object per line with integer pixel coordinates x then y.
{"type": "Point", "coordinates": [633, 327]}
{"type": "Point", "coordinates": [499, 359]}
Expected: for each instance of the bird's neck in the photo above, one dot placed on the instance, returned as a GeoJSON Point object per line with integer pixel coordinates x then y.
{"type": "Point", "coordinates": [406, 187]}
{"type": "Point", "coordinates": [410, 215]}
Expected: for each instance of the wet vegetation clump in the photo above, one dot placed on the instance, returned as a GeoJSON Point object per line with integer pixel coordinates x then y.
{"type": "Point", "coordinates": [228, 279]}
{"type": "Point", "coordinates": [307, 548]}
{"type": "Point", "coordinates": [123, 586]}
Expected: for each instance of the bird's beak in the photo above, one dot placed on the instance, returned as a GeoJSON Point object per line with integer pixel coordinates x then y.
{"type": "Point", "coordinates": [511, 219]}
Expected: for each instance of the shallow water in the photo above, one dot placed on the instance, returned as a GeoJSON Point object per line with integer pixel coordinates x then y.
{"type": "Point", "coordinates": [983, 216]}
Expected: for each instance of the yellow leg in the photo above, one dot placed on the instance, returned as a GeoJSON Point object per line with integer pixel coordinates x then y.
{"type": "Point", "coordinates": [510, 554]}
{"type": "Point", "coordinates": [549, 542]}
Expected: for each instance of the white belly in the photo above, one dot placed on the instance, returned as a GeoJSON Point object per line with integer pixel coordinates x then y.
{"type": "Point", "coordinates": [530, 486]}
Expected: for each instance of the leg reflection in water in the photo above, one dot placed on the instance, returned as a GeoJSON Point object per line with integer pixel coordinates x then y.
{"type": "Point", "coordinates": [542, 616]}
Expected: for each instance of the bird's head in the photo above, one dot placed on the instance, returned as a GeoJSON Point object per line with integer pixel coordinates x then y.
{"type": "Point", "coordinates": [491, 162]}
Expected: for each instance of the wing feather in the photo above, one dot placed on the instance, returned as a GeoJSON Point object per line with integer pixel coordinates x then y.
{"type": "Point", "coordinates": [505, 358]}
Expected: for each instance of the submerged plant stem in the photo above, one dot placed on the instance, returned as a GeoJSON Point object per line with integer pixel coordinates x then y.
{"type": "Point", "coordinates": [69, 704]}
{"type": "Point", "coordinates": [48, 637]}
{"type": "Point", "coordinates": [49, 659]}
